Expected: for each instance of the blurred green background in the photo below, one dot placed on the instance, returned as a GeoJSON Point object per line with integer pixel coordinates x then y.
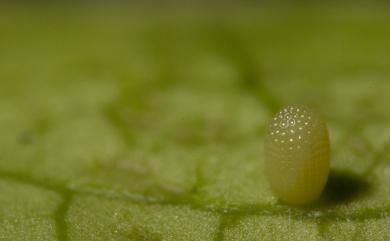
{"type": "Point", "coordinates": [146, 121]}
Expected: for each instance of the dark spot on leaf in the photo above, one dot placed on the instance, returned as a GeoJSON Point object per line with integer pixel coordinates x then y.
{"type": "Point", "coordinates": [142, 234]}
{"type": "Point", "coordinates": [344, 187]}
{"type": "Point", "coordinates": [25, 138]}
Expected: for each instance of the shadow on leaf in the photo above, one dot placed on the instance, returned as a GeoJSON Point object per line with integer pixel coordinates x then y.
{"type": "Point", "coordinates": [344, 187]}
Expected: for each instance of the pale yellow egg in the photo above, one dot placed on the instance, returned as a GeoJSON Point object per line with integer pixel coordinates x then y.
{"type": "Point", "coordinates": [297, 155]}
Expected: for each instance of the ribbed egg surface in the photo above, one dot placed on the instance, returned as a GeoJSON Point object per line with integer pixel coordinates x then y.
{"type": "Point", "coordinates": [297, 155]}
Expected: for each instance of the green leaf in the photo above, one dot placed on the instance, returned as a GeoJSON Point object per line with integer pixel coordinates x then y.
{"type": "Point", "coordinates": [150, 127]}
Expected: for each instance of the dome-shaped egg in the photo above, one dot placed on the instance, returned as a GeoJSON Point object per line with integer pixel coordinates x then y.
{"type": "Point", "coordinates": [297, 155]}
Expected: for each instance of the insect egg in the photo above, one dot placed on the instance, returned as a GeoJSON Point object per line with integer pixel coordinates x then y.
{"type": "Point", "coordinates": [297, 155]}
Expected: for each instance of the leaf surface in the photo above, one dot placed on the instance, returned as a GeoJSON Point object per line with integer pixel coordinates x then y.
{"type": "Point", "coordinates": [150, 127]}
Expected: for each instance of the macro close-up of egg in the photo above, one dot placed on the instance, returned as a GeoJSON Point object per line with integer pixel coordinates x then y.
{"type": "Point", "coordinates": [297, 155]}
{"type": "Point", "coordinates": [194, 120]}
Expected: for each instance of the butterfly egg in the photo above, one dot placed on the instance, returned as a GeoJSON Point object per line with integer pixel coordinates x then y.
{"type": "Point", "coordinates": [297, 155]}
